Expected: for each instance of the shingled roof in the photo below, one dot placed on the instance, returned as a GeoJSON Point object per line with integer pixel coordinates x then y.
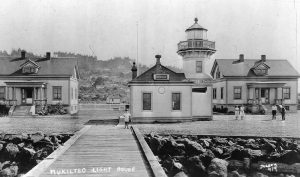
{"type": "Point", "coordinates": [158, 68]}
{"type": "Point", "coordinates": [51, 67]}
{"type": "Point", "coordinates": [278, 68]}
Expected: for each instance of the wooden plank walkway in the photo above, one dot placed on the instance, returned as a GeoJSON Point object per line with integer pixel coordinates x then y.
{"type": "Point", "coordinates": [103, 150]}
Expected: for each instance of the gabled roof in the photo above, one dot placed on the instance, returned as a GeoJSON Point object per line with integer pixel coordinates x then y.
{"type": "Point", "coordinates": [147, 76]}
{"type": "Point", "coordinates": [276, 68]}
{"type": "Point", "coordinates": [53, 67]}
{"type": "Point", "coordinates": [259, 63]}
{"type": "Point", "coordinates": [30, 61]}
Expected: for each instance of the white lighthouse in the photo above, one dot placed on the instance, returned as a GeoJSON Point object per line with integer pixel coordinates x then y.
{"type": "Point", "coordinates": [196, 51]}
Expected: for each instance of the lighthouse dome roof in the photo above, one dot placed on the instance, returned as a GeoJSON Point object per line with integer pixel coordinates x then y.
{"type": "Point", "coordinates": [195, 26]}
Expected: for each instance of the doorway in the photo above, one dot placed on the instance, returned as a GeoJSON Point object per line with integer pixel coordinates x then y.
{"type": "Point", "coordinates": [264, 94]}
{"type": "Point", "coordinates": [27, 95]}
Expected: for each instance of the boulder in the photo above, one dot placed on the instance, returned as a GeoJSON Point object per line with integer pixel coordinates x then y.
{"type": "Point", "coordinates": [177, 166]}
{"type": "Point", "coordinates": [290, 157]}
{"type": "Point", "coordinates": [66, 137]}
{"type": "Point", "coordinates": [258, 174]}
{"type": "Point", "coordinates": [171, 147]}
{"type": "Point", "coordinates": [205, 142]}
{"type": "Point", "coordinates": [181, 174]}
{"type": "Point", "coordinates": [206, 157]}
{"type": "Point", "coordinates": [21, 145]}
{"type": "Point", "coordinates": [240, 154]}
{"type": "Point", "coordinates": [235, 173]}
{"type": "Point", "coordinates": [54, 139]}
{"type": "Point", "coordinates": [220, 141]}
{"type": "Point", "coordinates": [10, 171]}
{"type": "Point", "coordinates": [25, 155]}
{"type": "Point", "coordinates": [241, 141]}
{"type": "Point", "coordinates": [38, 136]}
{"type": "Point", "coordinates": [269, 146]}
{"type": "Point", "coordinates": [1, 146]}
{"type": "Point", "coordinates": [193, 147]}
{"type": "Point", "coordinates": [167, 164]}
{"type": "Point", "coordinates": [217, 151]}
{"type": "Point", "coordinates": [12, 149]}
{"type": "Point", "coordinates": [218, 167]}
{"type": "Point", "coordinates": [156, 144]}
{"type": "Point", "coordinates": [255, 154]}
{"type": "Point", "coordinates": [195, 166]}
{"type": "Point", "coordinates": [43, 143]}
{"type": "Point", "coordinates": [5, 165]}
{"type": "Point", "coordinates": [252, 145]}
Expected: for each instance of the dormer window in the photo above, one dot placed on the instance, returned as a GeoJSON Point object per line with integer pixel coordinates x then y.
{"type": "Point", "coordinates": [261, 72]}
{"type": "Point", "coordinates": [29, 67]}
{"type": "Point", "coordinates": [260, 69]}
{"type": "Point", "coordinates": [29, 70]}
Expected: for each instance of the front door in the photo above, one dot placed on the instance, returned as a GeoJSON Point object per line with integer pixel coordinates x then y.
{"type": "Point", "coordinates": [27, 95]}
{"type": "Point", "coordinates": [264, 95]}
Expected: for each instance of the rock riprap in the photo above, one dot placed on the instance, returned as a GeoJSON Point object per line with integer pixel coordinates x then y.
{"type": "Point", "coordinates": [21, 152]}
{"type": "Point", "coordinates": [212, 156]}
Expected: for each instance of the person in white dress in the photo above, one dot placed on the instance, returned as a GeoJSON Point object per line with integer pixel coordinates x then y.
{"type": "Point", "coordinates": [242, 112]}
{"type": "Point", "coordinates": [236, 112]}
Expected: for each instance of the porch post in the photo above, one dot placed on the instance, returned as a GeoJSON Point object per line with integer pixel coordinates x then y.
{"type": "Point", "coordinates": [7, 93]}
{"type": "Point", "coordinates": [34, 95]}
{"type": "Point", "coordinates": [254, 95]}
{"type": "Point", "coordinates": [42, 95]}
{"type": "Point", "coordinates": [14, 93]}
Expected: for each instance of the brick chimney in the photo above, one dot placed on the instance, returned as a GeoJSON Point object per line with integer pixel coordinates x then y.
{"type": "Point", "coordinates": [263, 58]}
{"type": "Point", "coordinates": [134, 71]}
{"type": "Point", "coordinates": [23, 54]}
{"type": "Point", "coordinates": [241, 59]}
{"type": "Point", "coordinates": [48, 55]}
{"type": "Point", "coordinates": [158, 59]}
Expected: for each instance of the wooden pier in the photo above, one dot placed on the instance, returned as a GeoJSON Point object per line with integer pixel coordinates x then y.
{"type": "Point", "coordinates": [101, 150]}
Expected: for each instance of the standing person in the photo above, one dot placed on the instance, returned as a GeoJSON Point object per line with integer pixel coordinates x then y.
{"type": "Point", "coordinates": [236, 112]}
{"type": "Point", "coordinates": [283, 110]}
{"type": "Point", "coordinates": [274, 111]}
{"type": "Point", "coordinates": [242, 112]}
{"type": "Point", "coordinates": [127, 117]}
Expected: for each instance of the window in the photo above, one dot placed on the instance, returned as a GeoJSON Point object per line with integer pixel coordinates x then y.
{"type": "Point", "coordinates": [198, 66]}
{"type": "Point", "coordinates": [76, 94]}
{"type": "Point", "coordinates": [72, 94]}
{"type": "Point", "coordinates": [176, 102]}
{"type": "Point", "coordinates": [222, 90]}
{"type": "Point", "coordinates": [214, 93]}
{"type": "Point", "coordinates": [286, 93]}
{"type": "Point", "coordinates": [147, 101]}
{"type": "Point", "coordinates": [29, 69]}
{"type": "Point", "coordinates": [57, 93]}
{"type": "Point", "coordinates": [237, 92]}
{"type": "Point", "coordinates": [2, 92]}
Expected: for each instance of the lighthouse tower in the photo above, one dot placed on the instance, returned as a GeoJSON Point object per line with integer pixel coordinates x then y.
{"type": "Point", "coordinates": [196, 51]}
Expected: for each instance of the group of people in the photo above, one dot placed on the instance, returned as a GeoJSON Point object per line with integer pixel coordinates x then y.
{"type": "Point", "coordinates": [279, 108]}
{"type": "Point", "coordinates": [239, 112]}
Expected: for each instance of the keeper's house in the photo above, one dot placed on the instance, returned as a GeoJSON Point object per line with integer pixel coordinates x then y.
{"type": "Point", "coordinates": [160, 94]}
{"type": "Point", "coordinates": [258, 84]}
{"type": "Point", "coordinates": [27, 82]}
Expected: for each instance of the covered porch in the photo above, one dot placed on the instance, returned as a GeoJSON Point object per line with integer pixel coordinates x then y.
{"type": "Point", "coordinates": [26, 93]}
{"type": "Point", "coordinates": [265, 93]}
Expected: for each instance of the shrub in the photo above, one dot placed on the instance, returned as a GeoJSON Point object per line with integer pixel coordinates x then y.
{"type": "Point", "coordinates": [57, 109]}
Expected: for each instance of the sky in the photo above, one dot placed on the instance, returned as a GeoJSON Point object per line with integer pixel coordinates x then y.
{"type": "Point", "coordinates": [143, 28]}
